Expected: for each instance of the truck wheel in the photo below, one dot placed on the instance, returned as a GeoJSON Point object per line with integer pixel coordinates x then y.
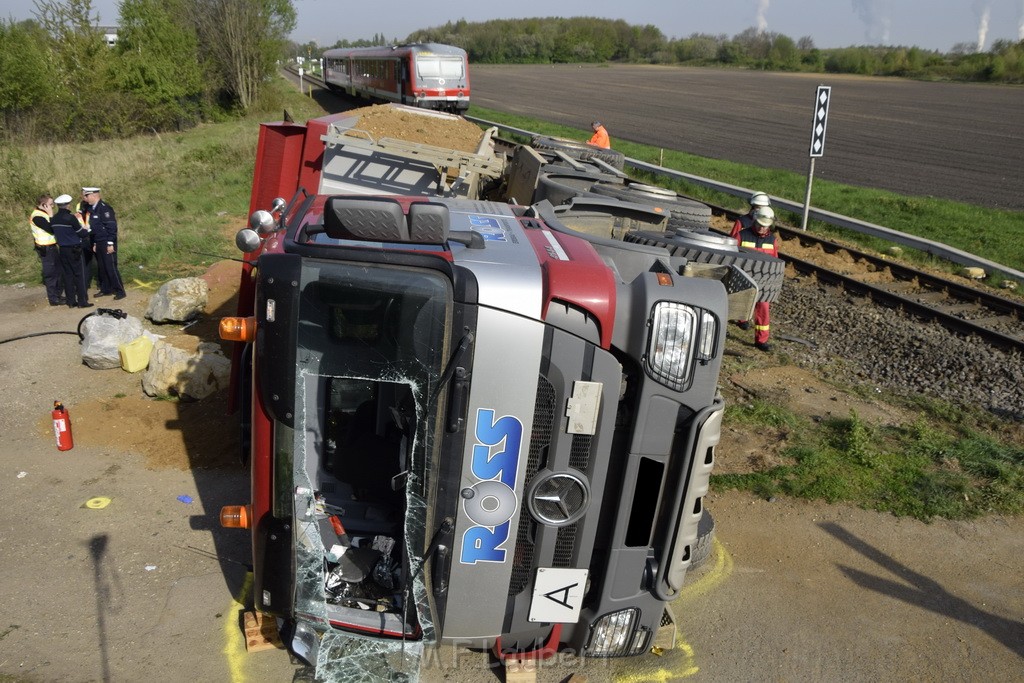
{"type": "Point", "coordinates": [684, 214]}
{"type": "Point", "coordinates": [580, 150]}
{"type": "Point", "coordinates": [589, 169]}
{"type": "Point", "coordinates": [559, 188]}
{"type": "Point", "coordinates": [767, 271]}
{"type": "Point", "coordinates": [701, 549]}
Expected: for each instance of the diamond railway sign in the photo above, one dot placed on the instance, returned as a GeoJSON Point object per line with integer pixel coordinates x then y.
{"type": "Point", "coordinates": [821, 101]}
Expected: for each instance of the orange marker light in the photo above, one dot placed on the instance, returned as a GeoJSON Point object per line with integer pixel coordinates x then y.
{"type": "Point", "coordinates": [238, 329]}
{"type": "Point", "coordinates": [664, 279]}
{"type": "Point", "coordinates": [234, 516]}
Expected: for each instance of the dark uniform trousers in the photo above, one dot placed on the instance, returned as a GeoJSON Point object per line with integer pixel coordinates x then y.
{"type": "Point", "coordinates": [109, 275]}
{"type": "Point", "coordinates": [72, 264]}
{"type": "Point", "coordinates": [51, 271]}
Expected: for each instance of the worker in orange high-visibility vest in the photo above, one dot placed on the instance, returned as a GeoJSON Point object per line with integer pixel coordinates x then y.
{"type": "Point", "coordinates": [600, 137]}
{"type": "Point", "coordinates": [758, 236]}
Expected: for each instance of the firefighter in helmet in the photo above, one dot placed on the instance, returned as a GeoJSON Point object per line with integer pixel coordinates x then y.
{"type": "Point", "coordinates": [759, 237]}
{"type": "Point", "coordinates": [756, 200]}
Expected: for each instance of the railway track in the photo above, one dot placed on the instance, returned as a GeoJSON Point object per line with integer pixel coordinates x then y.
{"type": "Point", "coordinates": [964, 310]}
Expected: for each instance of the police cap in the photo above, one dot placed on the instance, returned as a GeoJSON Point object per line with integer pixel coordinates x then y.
{"type": "Point", "coordinates": [62, 200]}
{"type": "Point", "coordinates": [89, 190]}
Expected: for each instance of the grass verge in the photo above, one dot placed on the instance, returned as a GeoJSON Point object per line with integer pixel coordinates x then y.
{"type": "Point", "coordinates": [179, 197]}
{"type": "Point", "coordinates": [971, 228]}
{"type": "Point", "coordinates": [925, 469]}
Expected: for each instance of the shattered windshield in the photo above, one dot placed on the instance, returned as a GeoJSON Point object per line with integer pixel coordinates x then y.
{"type": "Point", "coordinates": [371, 344]}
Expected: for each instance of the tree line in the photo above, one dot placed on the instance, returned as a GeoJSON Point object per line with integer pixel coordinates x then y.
{"type": "Point", "coordinates": [590, 39]}
{"type": "Point", "coordinates": [175, 63]}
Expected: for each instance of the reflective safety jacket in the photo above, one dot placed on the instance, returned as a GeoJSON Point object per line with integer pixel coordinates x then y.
{"type": "Point", "coordinates": [42, 233]}
{"type": "Point", "coordinates": [763, 243]}
{"type": "Point", "coordinates": [600, 138]}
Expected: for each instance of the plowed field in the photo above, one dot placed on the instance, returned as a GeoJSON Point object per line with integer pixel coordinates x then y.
{"type": "Point", "coordinates": [958, 141]}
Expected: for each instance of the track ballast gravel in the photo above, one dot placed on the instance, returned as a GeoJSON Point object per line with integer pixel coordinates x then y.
{"type": "Point", "coordinates": [852, 341]}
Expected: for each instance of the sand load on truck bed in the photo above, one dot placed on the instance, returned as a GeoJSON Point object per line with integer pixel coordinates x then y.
{"type": "Point", "coordinates": [427, 127]}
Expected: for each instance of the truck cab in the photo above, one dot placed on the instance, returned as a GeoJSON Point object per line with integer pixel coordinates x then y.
{"type": "Point", "coordinates": [470, 423]}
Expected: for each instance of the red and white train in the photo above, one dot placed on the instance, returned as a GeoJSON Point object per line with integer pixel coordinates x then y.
{"type": "Point", "coordinates": [428, 75]}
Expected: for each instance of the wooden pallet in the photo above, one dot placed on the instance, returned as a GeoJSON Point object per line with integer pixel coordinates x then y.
{"type": "Point", "coordinates": [261, 632]}
{"type": "Point", "coordinates": [520, 671]}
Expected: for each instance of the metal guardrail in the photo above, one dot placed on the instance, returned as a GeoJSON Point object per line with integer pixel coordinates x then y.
{"type": "Point", "coordinates": [929, 246]}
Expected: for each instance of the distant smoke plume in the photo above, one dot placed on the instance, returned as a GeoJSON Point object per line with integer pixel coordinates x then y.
{"type": "Point", "coordinates": [762, 20]}
{"type": "Point", "coordinates": [1020, 22]}
{"type": "Point", "coordinates": [875, 15]}
{"type": "Point", "coordinates": [983, 10]}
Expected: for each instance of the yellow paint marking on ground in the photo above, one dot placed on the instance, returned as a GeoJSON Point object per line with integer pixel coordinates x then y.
{"type": "Point", "coordinates": [713, 576]}
{"type": "Point", "coordinates": [685, 668]}
{"type": "Point", "coordinates": [234, 642]}
{"type": "Point", "coordinates": [144, 285]}
{"type": "Point", "coordinates": [710, 579]}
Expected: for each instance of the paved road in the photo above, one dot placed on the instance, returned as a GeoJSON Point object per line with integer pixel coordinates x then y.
{"type": "Point", "coordinates": [952, 140]}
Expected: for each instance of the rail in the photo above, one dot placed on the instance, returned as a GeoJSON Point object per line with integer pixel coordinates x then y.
{"type": "Point", "coordinates": [939, 249]}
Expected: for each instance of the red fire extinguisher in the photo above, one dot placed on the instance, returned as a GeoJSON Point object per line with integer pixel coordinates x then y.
{"type": "Point", "coordinates": [62, 427]}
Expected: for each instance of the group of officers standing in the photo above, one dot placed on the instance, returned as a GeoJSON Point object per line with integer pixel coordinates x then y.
{"type": "Point", "coordinates": [68, 242]}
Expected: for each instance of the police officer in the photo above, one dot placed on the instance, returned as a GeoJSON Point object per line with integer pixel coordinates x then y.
{"type": "Point", "coordinates": [46, 248]}
{"type": "Point", "coordinates": [82, 212]}
{"type": "Point", "coordinates": [69, 231]}
{"type": "Point", "coordinates": [759, 237]}
{"type": "Point", "coordinates": [103, 225]}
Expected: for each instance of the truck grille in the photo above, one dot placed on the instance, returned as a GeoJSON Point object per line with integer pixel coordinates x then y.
{"type": "Point", "coordinates": [579, 452]}
{"type": "Point", "coordinates": [564, 545]}
{"type": "Point", "coordinates": [540, 438]}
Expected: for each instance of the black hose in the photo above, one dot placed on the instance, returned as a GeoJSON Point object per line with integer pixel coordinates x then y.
{"type": "Point", "coordinates": [113, 312]}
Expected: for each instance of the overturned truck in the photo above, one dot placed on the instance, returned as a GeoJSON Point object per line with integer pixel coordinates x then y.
{"type": "Point", "coordinates": [467, 421]}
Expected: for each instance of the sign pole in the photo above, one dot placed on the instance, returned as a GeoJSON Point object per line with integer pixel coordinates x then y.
{"type": "Point", "coordinates": [821, 101]}
{"type": "Point", "coordinates": [807, 195]}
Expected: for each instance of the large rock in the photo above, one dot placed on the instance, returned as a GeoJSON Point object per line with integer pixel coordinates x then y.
{"type": "Point", "coordinates": [174, 372]}
{"type": "Point", "coordinates": [178, 300]}
{"type": "Point", "coordinates": [101, 337]}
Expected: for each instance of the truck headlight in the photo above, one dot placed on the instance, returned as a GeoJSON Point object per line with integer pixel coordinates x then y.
{"type": "Point", "coordinates": [678, 333]}
{"type": "Point", "coordinates": [617, 635]}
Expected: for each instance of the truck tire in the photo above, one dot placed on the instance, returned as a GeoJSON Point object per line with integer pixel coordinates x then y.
{"type": "Point", "coordinates": [702, 547]}
{"type": "Point", "coordinates": [559, 188]}
{"type": "Point", "coordinates": [589, 171]}
{"type": "Point", "coordinates": [580, 150]}
{"type": "Point", "coordinates": [705, 247]}
{"type": "Point", "coordinates": [684, 214]}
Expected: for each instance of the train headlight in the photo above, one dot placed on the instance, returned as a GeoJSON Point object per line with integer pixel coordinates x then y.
{"type": "Point", "coordinates": [678, 333]}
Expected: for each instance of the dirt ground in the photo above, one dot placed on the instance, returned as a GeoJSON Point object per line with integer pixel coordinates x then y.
{"type": "Point", "coordinates": [383, 121]}
{"type": "Point", "coordinates": [115, 590]}
{"type": "Point", "coordinates": [795, 590]}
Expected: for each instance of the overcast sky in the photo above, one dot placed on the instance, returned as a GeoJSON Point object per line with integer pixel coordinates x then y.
{"type": "Point", "coordinates": [931, 24]}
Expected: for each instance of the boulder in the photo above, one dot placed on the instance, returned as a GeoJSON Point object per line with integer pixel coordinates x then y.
{"type": "Point", "coordinates": [178, 300]}
{"type": "Point", "coordinates": [174, 372]}
{"type": "Point", "coordinates": [102, 335]}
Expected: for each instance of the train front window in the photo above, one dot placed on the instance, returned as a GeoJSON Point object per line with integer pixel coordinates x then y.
{"type": "Point", "coordinates": [440, 67]}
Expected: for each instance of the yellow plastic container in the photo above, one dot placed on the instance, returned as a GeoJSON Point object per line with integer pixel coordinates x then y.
{"type": "Point", "coordinates": [135, 354]}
